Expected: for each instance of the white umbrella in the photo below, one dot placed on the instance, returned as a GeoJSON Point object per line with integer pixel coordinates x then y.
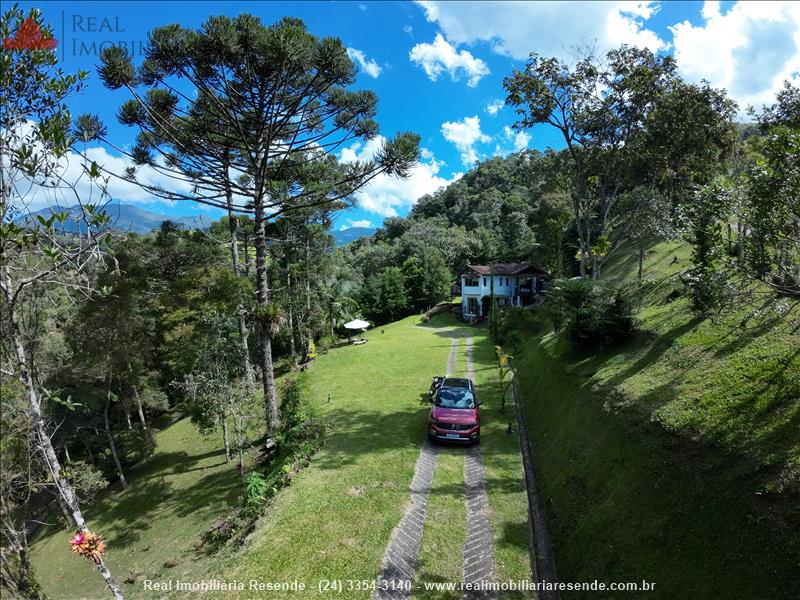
{"type": "Point", "coordinates": [356, 324]}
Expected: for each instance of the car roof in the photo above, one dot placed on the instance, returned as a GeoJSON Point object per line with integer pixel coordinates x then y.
{"type": "Point", "coordinates": [459, 382]}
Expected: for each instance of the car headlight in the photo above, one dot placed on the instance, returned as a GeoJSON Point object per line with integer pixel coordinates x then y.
{"type": "Point", "coordinates": [473, 424]}
{"type": "Point", "coordinates": [435, 423]}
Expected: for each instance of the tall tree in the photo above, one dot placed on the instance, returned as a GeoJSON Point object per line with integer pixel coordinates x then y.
{"type": "Point", "coordinates": [599, 107]}
{"type": "Point", "coordinates": [280, 96]}
{"type": "Point", "coordinates": [34, 140]}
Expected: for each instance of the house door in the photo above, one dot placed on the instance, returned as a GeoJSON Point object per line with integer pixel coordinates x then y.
{"type": "Point", "coordinates": [472, 306]}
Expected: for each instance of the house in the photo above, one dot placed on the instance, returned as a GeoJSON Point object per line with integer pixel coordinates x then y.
{"type": "Point", "coordinates": [513, 284]}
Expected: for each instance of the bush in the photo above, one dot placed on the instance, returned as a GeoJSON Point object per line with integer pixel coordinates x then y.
{"type": "Point", "coordinates": [591, 312]}
{"type": "Point", "coordinates": [514, 325]}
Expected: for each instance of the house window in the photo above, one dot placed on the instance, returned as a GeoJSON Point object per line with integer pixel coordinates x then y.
{"type": "Point", "coordinates": [484, 282]}
{"type": "Point", "coordinates": [471, 282]}
{"type": "Point", "coordinates": [472, 305]}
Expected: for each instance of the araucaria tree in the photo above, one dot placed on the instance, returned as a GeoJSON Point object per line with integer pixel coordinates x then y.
{"type": "Point", "coordinates": [35, 142]}
{"type": "Point", "coordinates": [269, 108]}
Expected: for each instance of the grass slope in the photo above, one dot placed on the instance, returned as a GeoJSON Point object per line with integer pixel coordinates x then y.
{"type": "Point", "coordinates": [674, 458]}
{"type": "Point", "coordinates": [334, 521]}
{"type": "Point", "coordinates": [151, 527]}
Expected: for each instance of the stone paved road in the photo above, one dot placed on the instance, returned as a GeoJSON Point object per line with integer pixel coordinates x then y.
{"type": "Point", "coordinates": [400, 557]}
{"type": "Point", "coordinates": [478, 553]}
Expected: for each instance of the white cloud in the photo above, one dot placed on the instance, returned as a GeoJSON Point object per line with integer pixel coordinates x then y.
{"type": "Point", "coordinates": [750, 50]}
{"type": "Point", "coordinates": [370, 67]}
{"type": "Point", "coordinates": [360, 223]}
{"type": "Point", "coordinates": [73, 176]}
{"type": "Point", "coordinates": [494, 106]}
{"type": "Point", "coordinates": [520, 139]}
{"type": "Point", "coordinates": [441, 56]}
{"type": "Point", "coordinates": [551, 28]}
{"type": "Point", "coordinates": [464, 135]}
{"type": "Point", "coordinates": [408, 29]}
{"type": "Point", "coordinates": [386, 195]}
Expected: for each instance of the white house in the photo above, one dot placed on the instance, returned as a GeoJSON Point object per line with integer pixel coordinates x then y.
{"type": "Point", "coordinates": [513, 284]}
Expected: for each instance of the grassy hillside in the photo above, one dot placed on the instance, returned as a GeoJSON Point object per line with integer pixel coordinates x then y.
{"type": "Point", "coordinates": [334, 520]}
{"type": "Point", "coordinates": [675, 457]}
{"type": "Point", "coordinates": [152, 526]}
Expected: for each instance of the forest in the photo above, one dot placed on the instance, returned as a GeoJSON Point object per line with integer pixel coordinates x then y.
{"type": "Point", "coordinates": [107, 335]}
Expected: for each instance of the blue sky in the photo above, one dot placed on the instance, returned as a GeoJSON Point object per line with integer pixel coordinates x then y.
{"type": "Point", "coordinates": [438, 67]}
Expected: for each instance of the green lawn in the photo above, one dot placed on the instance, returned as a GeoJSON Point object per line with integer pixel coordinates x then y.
{"type": "Point", "coordinates": [335, 520]}
{"type": "Point", "coordinates": [674, 457]}
{"type": "Point", "coordinates": [151, 527]}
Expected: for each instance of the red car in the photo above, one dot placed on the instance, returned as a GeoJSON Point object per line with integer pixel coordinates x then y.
{"type": "Point", "coordinates": [454, 415]}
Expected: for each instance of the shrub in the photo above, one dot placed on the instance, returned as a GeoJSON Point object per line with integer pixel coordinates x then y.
{"type": "Point", "coordinates": [514, 324]}
{"type": "Point", "coordinates": [591, 312]}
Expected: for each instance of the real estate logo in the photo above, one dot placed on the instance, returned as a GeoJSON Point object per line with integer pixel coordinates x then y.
{"type": "Point", "coordinates": [30, 36]}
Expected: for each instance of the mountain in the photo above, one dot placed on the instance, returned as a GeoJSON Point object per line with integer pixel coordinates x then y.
{"type": "Point", "coordinates": [124, 217]}
{"type": "Point", "coordinates": [351, 234]}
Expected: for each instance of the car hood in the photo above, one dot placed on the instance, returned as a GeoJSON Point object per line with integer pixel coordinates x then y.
{"type": "Point", "coordinates": [454, 415]}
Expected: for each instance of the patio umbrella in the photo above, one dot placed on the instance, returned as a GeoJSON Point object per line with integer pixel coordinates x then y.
{"type": "Point", "coordinates": [357, 324]}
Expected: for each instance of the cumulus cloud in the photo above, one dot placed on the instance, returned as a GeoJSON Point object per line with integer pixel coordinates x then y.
{"type": "Point", "coordinates": [494, 106]}
{"type": "Point", "coordinates": [464, 135]}
{"type": "Point", "coordinates": [359, 223]}
{"type": "Point", "coordinates": [551, 28]}
{"type": "Point", "coordinates": [370, 67]}
{"type": "Point", "coordinates": [519, 139]}
{"type": "Point", "coordinates": [441, 56]}
{"type": "Point", "coordinates": [386, 195]}
{"type": "Point", "coordinates": [749, 50]}
{"type": "Point", "coordinates": [76, 184]}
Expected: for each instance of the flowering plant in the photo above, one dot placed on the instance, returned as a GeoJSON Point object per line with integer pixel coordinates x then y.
{"type": "Point", "coordinates": [88, 544]}
{"type": "Point", "coordinates": [30, 36]}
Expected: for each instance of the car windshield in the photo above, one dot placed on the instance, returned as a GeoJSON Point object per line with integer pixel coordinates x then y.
{"type": "Point", "coordinates": [455, 397]}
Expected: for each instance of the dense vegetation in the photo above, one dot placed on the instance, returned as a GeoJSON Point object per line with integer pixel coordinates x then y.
{"type": "Point", "coordinates": [672, 457]}
{"type": "Point", "coordinates": [107, 335]}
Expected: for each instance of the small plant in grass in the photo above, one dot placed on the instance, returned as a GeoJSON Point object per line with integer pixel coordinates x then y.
{"type": "Point", "coordinates": [256, 491]}
{"type": "Point", "coordinates": [312, 351]}
{"type": "Point", "coordinates": [504, 368]}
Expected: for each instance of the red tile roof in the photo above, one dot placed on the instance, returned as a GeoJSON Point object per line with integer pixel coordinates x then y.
{"type": "Point", "coordinates": [519, 268]}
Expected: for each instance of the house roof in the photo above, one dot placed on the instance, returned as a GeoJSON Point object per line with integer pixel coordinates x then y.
{"type": "Point", "coordinates": [518, 268]}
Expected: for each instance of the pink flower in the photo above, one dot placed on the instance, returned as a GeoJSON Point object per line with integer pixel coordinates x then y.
{"type": "Point", "coordinates": [78, 538]}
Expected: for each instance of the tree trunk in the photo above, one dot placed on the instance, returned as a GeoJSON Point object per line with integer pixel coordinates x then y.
{"type": "Point", "coordinates": [308, 279]}
{"type": "Point", "coordinates": [290, 316]}
{"type": "Point", "coordinates": [246, 242]}
{"type": "Point", "coordinates": [128, 418]}
{"type": "Point", "coordinates": [66, 455]}
{"type": "Point", "coordinates": [224, 422]}
{"type": "Point", "coordinates": [88, 450]}
{"type": "Point", "coordinates": [238, 432]}
{"type": "Point", "coordinates": [641, 261]}
{"type": "Point", "coordinates": [262, 297]}
{"type": "Point", "coordinates": [139, 408]}
{"type": "Point", "coordinates": [233, 228]}
{"type": "Point", "coordinates": [44, 443]}
{"type": "Point", "coordinates": [110, 437]}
